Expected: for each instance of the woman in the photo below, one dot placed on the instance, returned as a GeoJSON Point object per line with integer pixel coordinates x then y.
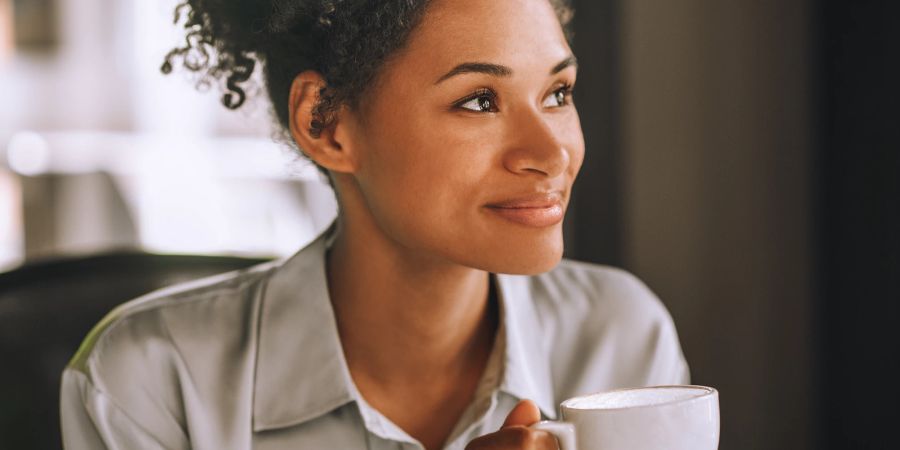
{"type": "Point", "coordinates": [435, 312]}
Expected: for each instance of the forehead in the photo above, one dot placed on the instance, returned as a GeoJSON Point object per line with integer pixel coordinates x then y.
{"type": "Point", "coordinates": [510, 32]}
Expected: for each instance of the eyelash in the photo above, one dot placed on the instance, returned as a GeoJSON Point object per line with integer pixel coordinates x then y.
{"type": "Point", "coordinates": [566, 89]}
{"type": "Point", "coordinates": [480, 93]}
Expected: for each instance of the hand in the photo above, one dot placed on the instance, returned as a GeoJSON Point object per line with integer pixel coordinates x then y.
{"type": "Point", "coordinates": [515, 434]}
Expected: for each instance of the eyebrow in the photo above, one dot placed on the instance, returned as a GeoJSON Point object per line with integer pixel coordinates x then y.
{"type": "Point", "coordinates": [570, 61]}
{"type": "Point", "coordinates": [498, 70]}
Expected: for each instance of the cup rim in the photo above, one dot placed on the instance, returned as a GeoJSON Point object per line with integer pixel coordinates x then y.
{"type": "Point", "coordinates": [703, 392]}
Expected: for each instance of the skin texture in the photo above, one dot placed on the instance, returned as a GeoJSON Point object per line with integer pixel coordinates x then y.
{"type": "Point", "coordinates": [414, 171]}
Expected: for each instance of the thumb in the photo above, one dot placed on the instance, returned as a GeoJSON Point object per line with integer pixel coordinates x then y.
{"type": "Point", "coordinates": [525, 414]}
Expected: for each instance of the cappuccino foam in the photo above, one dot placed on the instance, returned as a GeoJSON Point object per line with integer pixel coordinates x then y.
{"type": "Point", "coordinates": [630, 398]}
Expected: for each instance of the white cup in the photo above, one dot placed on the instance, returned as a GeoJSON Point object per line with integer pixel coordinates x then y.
{"type": "Point", "coordinates": [649, 418]}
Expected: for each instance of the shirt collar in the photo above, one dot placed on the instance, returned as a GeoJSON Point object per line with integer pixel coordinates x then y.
{"type": "Point", "coordinates": [301, 372]}
{"type": "Point", "coordinates": [526, 373]}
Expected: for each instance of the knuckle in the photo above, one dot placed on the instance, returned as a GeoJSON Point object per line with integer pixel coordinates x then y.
{"type": "Point", "coordinates": [526, 438]}
{"type": "Point", "coordinates": [521, 436]}
{"type": "Point", "coordinates": [542, 440]}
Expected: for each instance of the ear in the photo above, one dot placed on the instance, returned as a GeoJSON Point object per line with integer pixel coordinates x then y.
{"type": "Point", "coordinates": [331, 149]}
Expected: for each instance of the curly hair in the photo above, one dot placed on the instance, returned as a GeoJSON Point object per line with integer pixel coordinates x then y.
{"type": "Point", "coordinates": [346, 41]}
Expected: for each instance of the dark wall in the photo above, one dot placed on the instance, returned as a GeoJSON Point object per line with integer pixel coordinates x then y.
{"type": "Point", "coordinates": [743, 158]}
{"type": "Point", "coordinates": [859, 244]}
{"type": "Point", "coordinates": [593, 226]}
{"type": "Point", "coordinates": [698, 179]}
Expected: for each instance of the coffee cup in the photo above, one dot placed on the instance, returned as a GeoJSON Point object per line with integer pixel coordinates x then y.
{"type": "Point", "coordinates": [648, 418]}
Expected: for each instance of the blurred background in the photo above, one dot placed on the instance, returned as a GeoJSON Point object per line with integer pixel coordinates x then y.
{"type": "Point", "coordinates": [743, 160]}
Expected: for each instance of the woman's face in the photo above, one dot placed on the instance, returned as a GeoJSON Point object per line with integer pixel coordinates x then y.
{"type": "Point", "coordinates": [469, 142]}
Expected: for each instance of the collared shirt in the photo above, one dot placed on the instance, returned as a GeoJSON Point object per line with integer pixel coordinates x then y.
{"type": "Point", "coordinates": [253, 359]}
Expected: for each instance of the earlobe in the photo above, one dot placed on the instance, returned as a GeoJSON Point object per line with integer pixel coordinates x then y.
{"type": "Point", "coordinates": [323, 148]}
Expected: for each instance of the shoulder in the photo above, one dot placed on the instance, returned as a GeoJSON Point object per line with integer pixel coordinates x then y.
{"type": "Point", "coordinates": [611, 324]}
{"type": "Point", "coordinates": [158, 359]}
{"type": "Point", "coordinates": [603, 292]}
{"type": "Point", "coordinates": [150, 339]}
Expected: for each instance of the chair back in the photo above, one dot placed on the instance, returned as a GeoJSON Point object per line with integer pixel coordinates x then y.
{"type": "Point", "coordinates": [47, 308]}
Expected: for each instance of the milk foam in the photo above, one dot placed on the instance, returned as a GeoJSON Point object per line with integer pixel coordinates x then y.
{"type": "Point", "coordinates": [634, 397]}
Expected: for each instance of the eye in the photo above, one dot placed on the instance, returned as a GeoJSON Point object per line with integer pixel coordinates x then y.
{"type": "Point", "coordinates": [562, 96]}
{"type": "Point", "coordinates": [483, 100]}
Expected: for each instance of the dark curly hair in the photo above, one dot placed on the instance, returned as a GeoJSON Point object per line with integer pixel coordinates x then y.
{"type": "Point", "coordinates": [346, 41]}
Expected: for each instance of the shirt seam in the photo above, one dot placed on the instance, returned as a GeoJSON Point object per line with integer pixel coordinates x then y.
{"type": "Point", "coordinates": [181, 298]}
{"type": "Point", "coordinates": [180, 356]}
{"type": "Point", "coordinates": [258, 311]}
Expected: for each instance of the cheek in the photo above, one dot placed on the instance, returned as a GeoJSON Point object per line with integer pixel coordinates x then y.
{"type": "Point", "coordinates": [573, 142]}
{"type": "Point", "coordinates": [424, 172]}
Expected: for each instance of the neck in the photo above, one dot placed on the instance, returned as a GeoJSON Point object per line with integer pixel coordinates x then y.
{"type": "Point", "coordinates": [403, 316]}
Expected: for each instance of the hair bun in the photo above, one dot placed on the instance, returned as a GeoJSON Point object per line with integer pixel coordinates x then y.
{"type": "Point", "coordinates": [221, 40]}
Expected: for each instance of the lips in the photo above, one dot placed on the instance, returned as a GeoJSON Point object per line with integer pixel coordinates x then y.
{"type": "Point", "coordinates": [533, 210]}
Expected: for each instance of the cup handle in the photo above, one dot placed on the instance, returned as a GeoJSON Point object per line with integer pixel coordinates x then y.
{"type": "Point", "coordinates": [563, 431]}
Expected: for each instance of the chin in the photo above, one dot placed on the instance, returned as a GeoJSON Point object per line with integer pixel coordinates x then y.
{"type": "Point", "coordinates": [526, 268]}
{"type": "Point", "coordinates": [522, 259]}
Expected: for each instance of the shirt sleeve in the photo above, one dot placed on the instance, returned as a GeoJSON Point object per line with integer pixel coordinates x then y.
{"type": "Point", "coordinates": [667, 364]}
{"type": "Point", "coordinates": [91, 421]}
{"type": "Point", "coordinates": [681, 373]}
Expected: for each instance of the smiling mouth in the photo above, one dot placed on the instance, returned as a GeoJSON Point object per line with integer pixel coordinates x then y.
{"type": "Point", "coordinates": [537, 211]}
{"type": "Point", "coordinates": [539, 217]}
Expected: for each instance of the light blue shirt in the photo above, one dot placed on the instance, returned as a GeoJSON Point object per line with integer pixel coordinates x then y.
{"type": "Point", "coordinates": [253, 359]}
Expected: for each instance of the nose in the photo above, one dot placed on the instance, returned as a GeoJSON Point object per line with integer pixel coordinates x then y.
{"type": "Point", "coordinates": [535, 147]}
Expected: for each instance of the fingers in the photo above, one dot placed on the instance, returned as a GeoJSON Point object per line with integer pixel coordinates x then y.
{"type": "Point", "coordinates": [525, 414]}
{"type": "Point", "coordinates": [515, 438]}
{"type": "Point", "coordinates": [515, 434]}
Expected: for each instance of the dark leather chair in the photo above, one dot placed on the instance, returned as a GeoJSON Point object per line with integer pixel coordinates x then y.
{"type": "Point", "coordinates": [47, 308]}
